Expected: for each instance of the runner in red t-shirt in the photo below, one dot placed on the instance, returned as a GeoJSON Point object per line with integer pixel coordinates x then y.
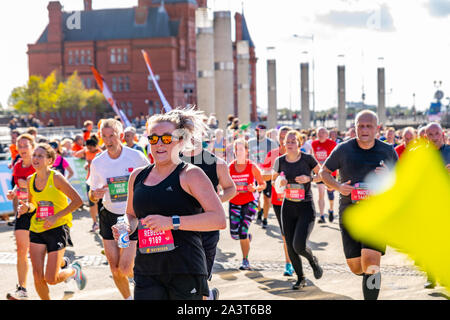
{"type": "Point", "coordinates": [322, 148]}
{"type": "Point", "coordinates": [408, 136]}
{"type": "Point", "coordinates": [21, 170]}
{"type": "Point", "coordinates": [242, 207]}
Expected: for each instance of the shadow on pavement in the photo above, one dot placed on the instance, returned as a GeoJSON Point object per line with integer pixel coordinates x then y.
{"type": "Point", "coordinates": [439, 295]}
{"type": "Point", "coordinates": [317, 245]}
{"type": "Point", "coordinates": [284, 288]}
{"type": "Point", "coordinates": [327, 226]}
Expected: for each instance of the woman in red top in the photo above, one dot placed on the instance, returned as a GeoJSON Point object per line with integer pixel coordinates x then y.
{"type": "Point", "coordinates": [243, 206]}
{"type": "Point", "coordinates": [21, 170]}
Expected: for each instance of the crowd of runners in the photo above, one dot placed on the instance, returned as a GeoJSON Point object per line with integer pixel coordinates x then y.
{"type": "Point", "coordinates": [171, 190]}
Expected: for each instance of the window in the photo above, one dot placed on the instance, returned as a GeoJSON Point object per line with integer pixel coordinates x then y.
{"type": "Point", "coordinates": [114, 84]}
{"type": "Point", "coordinates": [125, 55]}
{"type": "Point", "coordinates": [127, 83]}
{"type": "Point", "coordinates": [77, 57]}
{"type": "Point", "coordinates": [89, 58]}
{"type": "Point", "coordinates": [70, 57]}
{"type": "Point", "coordinates": [149, 83]}
{"type": "Point", "coordinates": [120, 84]}
{"type": "Point", "coordinates": [88, 83]}
{"type": "Point", "coordinates": [130, 109]}
{"type": "Point", "coordinates": [113, 55]}
{"type": "Point", "coordinates": [82, 57]}
{"type": "Point", "coordinates": [119, 55]}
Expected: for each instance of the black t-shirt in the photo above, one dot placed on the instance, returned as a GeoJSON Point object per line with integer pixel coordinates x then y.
{"type": "Point", "coordinates": [207, 161]}
{"type": "Point", "coordinates": [355, 163]}
{"type": "Point", "coordinates": [303, 166]}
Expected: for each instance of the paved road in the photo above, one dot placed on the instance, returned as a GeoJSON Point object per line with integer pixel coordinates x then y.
{"type": "Point", "coordinates": [400, 279]}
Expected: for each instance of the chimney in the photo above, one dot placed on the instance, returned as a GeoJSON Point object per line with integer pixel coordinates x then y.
{"type": "Point", "coordinates": [87, 5]}
{"type": "Point", "coordinates": [238, 26]}
{"type": "Point", "coordinates": [55, 33]}
{"type": "Point", "coordinates": [140, 15]}
{"type": "Point", "coordinates": [202, 3]}
{"type": "Point", "coordinates": [145, 3]}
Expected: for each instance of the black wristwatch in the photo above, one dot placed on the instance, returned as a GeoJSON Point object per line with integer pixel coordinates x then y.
{"type": "Point", "coordinates": [176, 222]}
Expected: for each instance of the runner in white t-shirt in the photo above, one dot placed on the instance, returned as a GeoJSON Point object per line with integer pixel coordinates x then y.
{"type": "Point", "coordinates": [108, 180]}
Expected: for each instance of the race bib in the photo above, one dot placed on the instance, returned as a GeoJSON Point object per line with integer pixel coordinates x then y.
{"type": "Point", "coordinates": [154, 242]}
{"type": "Point", "coordinates": [360, 192]}
{"type": "Point", "coordinates": [321, 156]}
{"type": "Point", "coordinates": [22, 194]}
{"type": "Point", "coordinates": [118, 188]}
{"type": "Point", "coordinates": [241, 187]}
{"type": "Point", "coordinates": [45, 209]}
{"type": "Point", "coordinates": [295, 192]}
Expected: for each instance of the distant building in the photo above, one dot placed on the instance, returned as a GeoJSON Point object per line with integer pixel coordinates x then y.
{"type": "Point", "coordinates": [112, 40]}
{"type": "Point", "coordinates": [242, 33]}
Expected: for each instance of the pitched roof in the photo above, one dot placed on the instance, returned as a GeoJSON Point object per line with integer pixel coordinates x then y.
{"type": "Point", "coordinates": [246, 33]}
{"type": "Point", "coordinates": [110, 24]}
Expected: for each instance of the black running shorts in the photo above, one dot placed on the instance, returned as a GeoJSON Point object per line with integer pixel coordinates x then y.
{"type": "Point", "coordinates": [54, 239]}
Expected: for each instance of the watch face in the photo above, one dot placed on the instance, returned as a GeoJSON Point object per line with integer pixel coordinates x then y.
{"type": "Point", "coordinates": [176, 221]}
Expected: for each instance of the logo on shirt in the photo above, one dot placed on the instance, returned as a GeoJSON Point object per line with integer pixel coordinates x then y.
{"type": "Point", "coordinates": [169, 188]}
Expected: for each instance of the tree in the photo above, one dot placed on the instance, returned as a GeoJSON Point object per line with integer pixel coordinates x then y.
{"type": "Point", "coordinates": [53, 95]}
{"type": "Point", "coordinates": [26, 99]}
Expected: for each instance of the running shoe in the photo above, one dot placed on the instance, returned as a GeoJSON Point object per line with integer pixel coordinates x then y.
{"type": "Point", "coordinates": [95, 227]}
{"type": "Point", "coordinates": [330, 215]}
{"type": "Point", "coordinates": [264, 224]}
{"type": "Point", "coordinates": [301, 283]}
{"type": "Point", "coordinates": [288, 270]}
{"type": "Point", "coordinates": [214, 294]}
{"type": "Point", "coordinates": [322, 219]}
{"type": "Point", "coordinates": [317, 269]}
{"type": "Point", "coordinates": [19, 294]}
{"type": "Point", "coordinates": [259, 217]}
{"type": "Point", "coordinates": [79, 276]}
{"type": "Point", "coordinates": [245, 265]}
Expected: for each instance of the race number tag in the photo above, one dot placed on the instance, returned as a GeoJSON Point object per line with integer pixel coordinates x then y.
{"type": "Point", "coordinates": [321, 156]}
{"type": "Point", "coordinates": [22, 194]}
{"type": "Point", "coordinates": [118, 188]}
{"type": "Point", "coordinates": [241, 186]}
{"type": "Point", "coordinates": [360, 192]}
{"type": "Point", "coordinates": [295, 192]}
{"type": "Point", "coordinates": [154, 242]}
{"type": "Point", "coordinates": [45, 209]}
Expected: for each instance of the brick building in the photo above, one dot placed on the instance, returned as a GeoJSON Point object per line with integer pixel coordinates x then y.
{"type": "Point", "coordinates": [112, 40]}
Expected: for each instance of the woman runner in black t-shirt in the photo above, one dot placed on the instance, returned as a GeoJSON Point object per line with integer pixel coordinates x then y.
{"type": "Point", "coordinates": [164, 209]}
{"type": "Point", "coordinates": [297, 211]}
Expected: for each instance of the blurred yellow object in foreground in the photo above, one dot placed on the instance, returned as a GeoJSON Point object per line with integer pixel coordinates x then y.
{"type": "Point", "coordinates": [413, 216]}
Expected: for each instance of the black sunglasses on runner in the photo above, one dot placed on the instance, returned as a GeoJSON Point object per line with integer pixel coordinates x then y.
{"type": "Point", "coordinates": [165, 138]}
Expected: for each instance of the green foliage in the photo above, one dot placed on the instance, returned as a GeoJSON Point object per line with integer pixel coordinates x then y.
{"type": "Point", "coordinates": [52, 95]}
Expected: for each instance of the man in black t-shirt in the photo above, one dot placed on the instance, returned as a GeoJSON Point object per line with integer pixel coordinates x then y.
{"type": "Point", "coordinates": [356, 159]}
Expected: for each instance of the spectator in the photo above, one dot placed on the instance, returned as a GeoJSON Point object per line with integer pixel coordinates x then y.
{"type": "Point", "coordinates": [77, 143]}
{"type": "Point", "coordinates": [88, 126]}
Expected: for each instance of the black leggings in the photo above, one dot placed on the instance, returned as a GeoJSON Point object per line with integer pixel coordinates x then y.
{"type": "Point", "coordinates": [298, 221]}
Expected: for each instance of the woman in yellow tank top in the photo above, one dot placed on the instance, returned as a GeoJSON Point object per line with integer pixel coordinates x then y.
{"type": "Point", "coordinates": [48, 193]}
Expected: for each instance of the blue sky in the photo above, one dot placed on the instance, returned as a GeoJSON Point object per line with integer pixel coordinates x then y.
{"type": "Point", "coordinates": [410, 35]}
